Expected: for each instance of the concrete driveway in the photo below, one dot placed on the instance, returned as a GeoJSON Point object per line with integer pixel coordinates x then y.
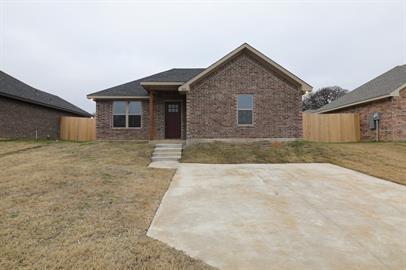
{"type": "Point", "coordinates": [284, 216]}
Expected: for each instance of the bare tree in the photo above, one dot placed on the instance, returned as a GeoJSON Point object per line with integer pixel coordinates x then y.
{"type": "Point", "coordinates": [321, 97]}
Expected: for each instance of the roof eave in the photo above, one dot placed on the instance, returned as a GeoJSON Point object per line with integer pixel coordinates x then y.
{"type": "Point", "coordinates": [394, 93]}
{"type": "Point", "coordinates": [161, 83]}
{"type": "Point", "coordinates": [355, 103]}
{"type": "Point", "coordinates": [95, 97]}
{"type": "Point", "coordinates": [306, 89]}
{"type": "Point", "coordinates": [184, 88]}
{"type": "Point", "coordinates": [86, 114]}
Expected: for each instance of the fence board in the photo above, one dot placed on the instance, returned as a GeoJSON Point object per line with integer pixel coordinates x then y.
{"type": "Point", "coordinates": [340, 127]}
{"type": "Point", "coordinates": [77, 129]}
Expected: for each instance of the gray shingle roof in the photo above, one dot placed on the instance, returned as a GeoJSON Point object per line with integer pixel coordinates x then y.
{"type": "Point", "coordinates": [134, 88]}
{"type": "Point", "coordinates": [381, 86]}
{"type": "Point", "coordinates": [174, 75]}
{"type": "Point", "coordinates": [12, 88]}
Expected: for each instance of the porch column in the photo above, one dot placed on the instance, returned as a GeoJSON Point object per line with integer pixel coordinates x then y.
{"type": "Point", "coordinates": [151, 115]}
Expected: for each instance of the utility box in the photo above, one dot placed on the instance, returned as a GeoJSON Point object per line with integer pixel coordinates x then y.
{"type": "Point", "coordinates": [372, 120]}
{"type": "Point", "coordinates": [375, 115]}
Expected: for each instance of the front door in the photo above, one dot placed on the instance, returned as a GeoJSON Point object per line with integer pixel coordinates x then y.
{"type": "Point", "coordinates": [172, 120]}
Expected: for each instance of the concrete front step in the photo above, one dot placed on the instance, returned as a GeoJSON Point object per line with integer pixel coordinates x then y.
{"type": "Point", "coordinates": [167, 158]}
{"type": "Point", "coordinates": [168, 149]}
{"type": "Point", "coordinates": [168, 145]}
{"type": "Point", "coordinates": [164, 164]}
{"type": "Point", "coordinates": [166, 154]}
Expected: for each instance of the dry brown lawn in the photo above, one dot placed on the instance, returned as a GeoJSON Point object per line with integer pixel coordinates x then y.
{"type": "Point", "coordinates": [82, 206]}
{"type": "Point", "coordinates": [384, 160]}
{"type": "Point", "coordinates": [9, 147]}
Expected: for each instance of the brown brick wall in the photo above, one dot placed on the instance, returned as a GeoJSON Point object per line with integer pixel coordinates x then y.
{"type": "Point", "coordinates": [392, 117]}
{"type": "Point", "coordinates": [104, 119]}
{"type": "Point", "coordinates": [19, 119]}
{"type": "Point", "coordinates": [104, 123]}
{"type": "Point", "coordinates": [399, 116]}
{"type": "Point", "coordinates": [212, 103]}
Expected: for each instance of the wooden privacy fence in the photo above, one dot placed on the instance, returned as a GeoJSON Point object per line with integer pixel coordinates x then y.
{"type": "Point", "coordinates": [337, 127]}
{"type": "Point", "coordinates": [77, 129]}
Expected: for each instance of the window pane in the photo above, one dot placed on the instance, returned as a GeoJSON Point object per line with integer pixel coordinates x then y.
{"type": "Point", "coordinates": [119, 107]}
{"type": "Point", "coordinates": [118, 120]}
{"type": "Point", "coordinates": [134, 107]}
{"type": "Point", "coordinates": [173, 107]}
{"type": "Point", "coordinates": [245, 117]}
{"type": "Point", "coordinates": [244, 102]}
{"type": "Point", "coordinates": [134, 121]}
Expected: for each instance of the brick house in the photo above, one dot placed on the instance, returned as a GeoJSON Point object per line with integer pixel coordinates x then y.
{"type": "Point", "coordinates": [244, 95]}
{"type": "Point", "coordinates": [386, 95]}
{"type": "Point", "coordinates": [26, 112]}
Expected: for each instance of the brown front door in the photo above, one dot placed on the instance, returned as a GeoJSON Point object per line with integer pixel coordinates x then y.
{"type": "Point", "coordinates": [172, 120]}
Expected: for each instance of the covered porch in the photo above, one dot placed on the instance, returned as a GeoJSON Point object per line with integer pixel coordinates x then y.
{"type": "Point", "coordinates": [166, 111]}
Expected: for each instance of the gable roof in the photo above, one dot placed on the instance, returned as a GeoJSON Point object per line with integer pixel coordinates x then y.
{"type": "Point", "coordinates": [136, 89]}
{"type": "Point", "coordinates": [174, 75]}
{"type": "Point", "coordinates": [303, 85]}
{"type": "Point", "coordinates": [184, 77]}
{"type": "Point", "coordinates": [385, 85]}
{"type": "Point", "coordinates": [12, 88]}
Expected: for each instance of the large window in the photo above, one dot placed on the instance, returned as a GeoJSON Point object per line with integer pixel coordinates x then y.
{"type": "Point", "coordinates": [119, 113]}
{"type": "Point", "coordinates": [134, 114]}
{"type": "Point", "coordinates": [127, 114]}
{"type": "Point", "coordinates": [244, 109]}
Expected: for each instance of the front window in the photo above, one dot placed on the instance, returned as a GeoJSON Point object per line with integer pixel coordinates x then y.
{"type": "Point", "coordinates": [134, 114]}
{"type": "Point", "coordinates": [245, 109]}
{"type": "Point", "coordinates": [127, 114]}
{"type": "Point", "coordinates": [119, 113]}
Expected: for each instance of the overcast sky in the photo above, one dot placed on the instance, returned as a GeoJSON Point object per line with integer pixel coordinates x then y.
{"type": "Point", "coordinates": [73, 48]}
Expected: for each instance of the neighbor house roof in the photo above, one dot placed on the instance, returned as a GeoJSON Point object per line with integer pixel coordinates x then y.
{"type": "Point", "coordinates": [385, 85]}
{"type": "Point", "coordinates": [135, 89]}
{"type": "Point", "coordinates": [12, 88]}
{"type": "Point", "coordinates": [304, 86]}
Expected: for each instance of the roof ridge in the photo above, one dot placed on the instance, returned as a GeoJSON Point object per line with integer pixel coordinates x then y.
{"type": "Point", "coordinates": [166, 71]}
{"type": "Point", "coordinates": [375, 78]}
{"type": "Point", "coordinates": [26, 92]}
{"type": "Point", "coordinates": [14, 78]}
{"type": "Point", "coordinates": [188, 68]}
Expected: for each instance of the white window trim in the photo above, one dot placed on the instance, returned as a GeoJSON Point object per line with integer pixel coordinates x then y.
{"type": "Point", "coordinates": [126, 115]}
{"type": "Point", "coordinates": [252, 111]}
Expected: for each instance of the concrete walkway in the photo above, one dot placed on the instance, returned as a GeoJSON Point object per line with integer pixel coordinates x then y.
{"type": "Point", "coordinates": [284, 216]}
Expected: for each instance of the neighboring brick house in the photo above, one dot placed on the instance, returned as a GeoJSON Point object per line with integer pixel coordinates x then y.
{"type": "Point", "coordinates": [386, 95]}
{"type": "Point", "coordinates": [26, 112]}
{"type": "Point", "coordinates": [244, 95]}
